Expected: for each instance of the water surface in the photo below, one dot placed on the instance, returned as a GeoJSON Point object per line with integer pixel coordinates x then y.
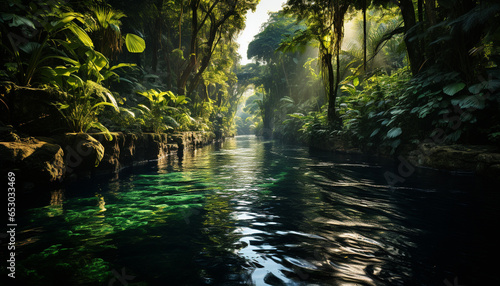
{"type": "Point", "coordinates": [254, 212]}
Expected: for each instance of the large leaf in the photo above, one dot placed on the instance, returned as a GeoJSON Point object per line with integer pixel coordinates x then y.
{"type": "Point", "coordinates": [19, 21]}
{"type": "Point", "coordinates": [112, 100]}
{"type": "Point", "coordinates": [107, 74]}
{"type": "Point", "coordinates": [453, 88]}
{"type": "Point", "coordinates": [287, 99]}
{"type": "Point", "coordinates": [144, 107]}
{"type": "Point", "coordinates": [355, 81]}
{"type": "Point", "coordinates": [49, 75]}
{"type": "Point", "coordinates": [127, 111]}
{"type": "Point", "coordinates": [394, 132]}
{"type": "Point", "coordinates": [105, 104]}
{"type": "Point", "coordinates": [120, 79]}
{"type": "Point", "coordinates": [472, 101]}
{"type": "Point", "coordinates": [98, 60]}
{"type": "Point", "coordinates": [170, 94]}
{"type": "Point", "coordinates": [181, 99]}
{"type": "Point", "coordinates": [297, 115]}
{"type": "Point", "coordinates": [65, 71]}
{"type": "Point", "coordinates": [134, 43]}
{"type": "Point", "coordinates": [171, 121]}
{"type": "Point", "coordinates": [16, 20]}
{"type": "Point", "coordinates": [453, 137]}
{"type": "Point", "coordinates": [122, 65]}
{"type": "Point", "coordinates": [107, 135]}
{"type": "Point", "coordinates": [66, 59]}
{"type": "Point", "coordinates": [146, 94]}
{"type": "Point", "coordinates": [75, 81]}
{"type": "Point", "coordinates": [29, 47]}
{"type": "Point", "coordinates": [80, 34]}
{"type": "Point", "coordinates": [475, 89]}
{"type": "Point", "coordinates": [375, 132]}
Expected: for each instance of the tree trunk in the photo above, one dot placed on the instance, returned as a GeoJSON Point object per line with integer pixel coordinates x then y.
{"type": "Point", "coordinates": [180, 25]}
{"type": "Point", "coordinates": [415, 54]}
{"type": "Point", "coordinates": [182, 82]}
{"type": "Point", "coordinates": [267, 130]}
{"type": "Point", "coordinates": [197, 78]}
{"type": "Point", "coordinates": [211, 45]}
{"type": "Point", "coordinates": [286, 78]}
{"type": "Point", "coordinates": [465, 42]}
{"type": "Point", "coordinates": [332, 116]}
{"type": "Point", "coordinates": [364, 35]}
{"type": "Point", "coordinates": [420, 7]}
{"type": "Point", "coordinates": [430, 11]}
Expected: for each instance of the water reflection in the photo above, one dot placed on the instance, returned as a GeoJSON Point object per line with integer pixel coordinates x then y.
{"type": "Point", "coordinates": [252, 212]}
{"type": "Point", "coordinates": [56, 203]}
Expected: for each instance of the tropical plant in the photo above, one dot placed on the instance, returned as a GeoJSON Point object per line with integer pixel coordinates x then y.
{"type": "Point", "coordinates": [84, 95]}
{"type": "Point", "coordinates": [164, 111]}
{"type": "Point", "coordinates": [60, 29]}
{"type": "Point", "coordinates": [83, 103]}
{"type": "Point", "coordinates": [103, 24]}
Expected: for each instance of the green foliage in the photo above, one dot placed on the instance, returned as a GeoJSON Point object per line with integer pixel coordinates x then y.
{"type": "Point", "coordinates": [134, 43]}
{"type": "Point", "coordinates": [84, 96]}
{"type": "Point", "coordinates": [371, 113]}
{"type": "Point", "coordinates": [266, 44]}
{"type": "Point", "coordinates": [83, 102]}
{"type": "Point", "coordinates": [314, 125]}
{"type": "Point", "coordinates": [29, 56]}
{"type": "Point", "coordinates": [164, 112]}
{"type": "Point", "coordinates": [391, 110]}
{"type": "Point", "coordinates": [453, 88]}
{"type": "Point", "coordinates": [71, 45]}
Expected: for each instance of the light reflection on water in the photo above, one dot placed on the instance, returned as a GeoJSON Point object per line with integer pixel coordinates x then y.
{"type": "Point", "coordinates": [252, 212]}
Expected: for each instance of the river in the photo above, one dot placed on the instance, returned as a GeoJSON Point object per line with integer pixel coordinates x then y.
{"type": "Point", "coordinates": [256, 212]}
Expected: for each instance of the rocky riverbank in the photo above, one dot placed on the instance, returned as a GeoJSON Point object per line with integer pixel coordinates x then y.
{"type": "Point", "coordinates": [44, 161]}
{"type": "Point", "coordinates": [481, 160]}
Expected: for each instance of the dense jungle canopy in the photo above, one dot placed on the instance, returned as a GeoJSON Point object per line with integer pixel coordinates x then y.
{"type": "Point", "coordinates": [377, 73]}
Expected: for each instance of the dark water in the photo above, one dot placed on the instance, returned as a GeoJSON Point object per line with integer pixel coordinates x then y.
{"type": "Point", "coordinates": [254, 212]}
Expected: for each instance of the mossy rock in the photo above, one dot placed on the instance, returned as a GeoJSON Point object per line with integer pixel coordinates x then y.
{"type": "Point", "coordinates": [34, 162]}
{"type": "Point", "coordinates": [82, 153]}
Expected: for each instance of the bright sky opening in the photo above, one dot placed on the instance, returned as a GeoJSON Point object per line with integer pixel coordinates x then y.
{"type": "Point", "coordinates": [253, 24]}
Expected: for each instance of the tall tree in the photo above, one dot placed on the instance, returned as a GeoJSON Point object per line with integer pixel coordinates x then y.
{"type": "Point", "coordinates": [325, 20]}
{"type": "Point", "coordinates": [210, 20]}
{"type": "Point", "coordinates": [275, 82]}
{"type": "Point", "coordinates": [413, 46]}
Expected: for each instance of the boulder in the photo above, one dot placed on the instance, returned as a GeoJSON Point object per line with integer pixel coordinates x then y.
{"type": "Point", "coordinates": [110, 161]}
{"type": "Point", "coordinates": [82, 153]}
{"type": "Point", "coordinates": [33, 161]}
